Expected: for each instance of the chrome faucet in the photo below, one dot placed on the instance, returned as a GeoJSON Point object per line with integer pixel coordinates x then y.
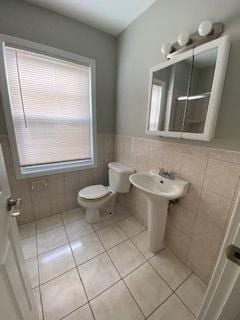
{"type": "Point", "coordinates": [167, 174]}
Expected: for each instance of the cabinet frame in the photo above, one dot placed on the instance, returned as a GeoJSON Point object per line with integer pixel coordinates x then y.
{"type": "Point", "coordinates": [223, 46]}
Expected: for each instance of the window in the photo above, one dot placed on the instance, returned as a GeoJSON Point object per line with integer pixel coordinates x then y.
{"type": "Point", "coordinates": [51, 111]}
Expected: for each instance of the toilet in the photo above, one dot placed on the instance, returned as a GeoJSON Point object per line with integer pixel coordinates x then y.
{"type": "Point", "coordinates": [92, 198]}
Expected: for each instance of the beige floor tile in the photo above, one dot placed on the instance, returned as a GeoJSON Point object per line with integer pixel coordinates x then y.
{"type": "Point", "coordinates": [78, 229]}
{"type": "Point", "coordinates": [102, 224]}
{"type": "Point", "coordinates": [48, 223]}
{"type": "Point", "coordinates": [148, 289]}
{"type": "Point", "coordinates": [72, 215]}
{"type": "Point", "coordinates": [36, 293]}
{"type": "Point", "coordinates": [141, 242]}
{"type": "Point", "coordinates": [55, 262]}
{"type": "Point", "coordinates": [120, 212]}
{"type": "Point", "coordinates": [126, 257]}
{"type": "Point", "coordinates": [51, 239]}
{"type": "Point", "coordinates": [98, 274]}
{"type": "Point", "coordinates": [29, 247]}
{"type": "Point", "coordinates": [172, 309]}
{"type": "Point", "coordinates": [111, 236]}
{"type": "Point", "coordinates": [62, 295]}
{"type": "Point", "coordinates": [32, 268]}
{"type": "Point", "coordinates": [122, 305]}
{"type": "Point", "coordinates": [130, 226]}
{"type": "Point", "coordinates": [86, 248]}
{"type": "Point", "coordinates": [84, 313]}
{"type": "Point", "coordinates": [192, 292]}
{"type": "Point", "coordinates": [170, 268]}
{"type": "Point", "coordinates": [27, 230]}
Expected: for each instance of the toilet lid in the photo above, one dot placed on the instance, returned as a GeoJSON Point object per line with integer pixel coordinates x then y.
{"type": "Point", "coordinates": [93, 192]}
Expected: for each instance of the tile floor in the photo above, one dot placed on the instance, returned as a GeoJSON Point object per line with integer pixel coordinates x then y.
{"type": "Point", "coordinates": [104, 271]}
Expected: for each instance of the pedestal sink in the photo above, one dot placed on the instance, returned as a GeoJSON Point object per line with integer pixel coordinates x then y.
{"type": "Point", "coordinates": [159, 190]}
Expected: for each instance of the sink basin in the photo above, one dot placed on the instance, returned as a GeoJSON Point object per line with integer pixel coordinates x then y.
{"type": "Point", "coordinates": [159, 190]}
{"type": "Point", "coordinates": [155, 186]}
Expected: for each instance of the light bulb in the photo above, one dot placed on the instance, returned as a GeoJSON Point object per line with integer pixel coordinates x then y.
{"type": "Point", "coordinates": [166, 48]}
{"type": "Point", "coordinates": [205, 28]}
{"type": "Point", "coordinates": [183, 39]}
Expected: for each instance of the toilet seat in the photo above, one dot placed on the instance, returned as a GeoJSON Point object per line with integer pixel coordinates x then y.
{"type": "Point", "coordinates": [94, 192]}
{"type": "Point", "coordinates": [99, 198]}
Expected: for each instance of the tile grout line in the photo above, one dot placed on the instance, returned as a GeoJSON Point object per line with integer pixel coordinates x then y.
{"type": "Point", "coordinates": [80, 278]}
{"type": "Point", "coordinates": [121, 278]}
{"type": "Point", "coordinates": [76, 266]}
{"type": "Point", "coordinates": [85, 235]}
{"type": "Point", "coordinates": [106, 251]}
{"type": "Point", "coordinates": [185, 305]}
{"type": "Point", "coordinates": [38, 267]}
{"type": "Point", "coordinates": [197, 210]}
{"type": "Point", "coordinates": [173, 292]}
{"type": "Point", "coordinates": [148, 261]}
{"type": "Point", "coordinates": [60, 213]}
{"type": "Point", "coordinates": [150, 314]}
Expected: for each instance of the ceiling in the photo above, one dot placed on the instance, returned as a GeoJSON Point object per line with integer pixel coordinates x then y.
{"type": "Point", "coordinates": [111, 16]}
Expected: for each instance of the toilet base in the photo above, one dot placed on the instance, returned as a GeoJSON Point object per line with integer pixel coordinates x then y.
{"type": "Point", "coordinates": [92, 215]}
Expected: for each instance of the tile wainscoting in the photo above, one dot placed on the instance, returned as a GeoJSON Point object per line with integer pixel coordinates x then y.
{"type": "Point", "coordinates": [60, 194]}
{"type": "Point", "coordinates": [197, 224]}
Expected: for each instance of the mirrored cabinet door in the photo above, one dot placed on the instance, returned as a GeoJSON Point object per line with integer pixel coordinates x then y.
{"type": "Point", "coordinates": [159, 88]}
{"type": "Point", "coordinates": [202, 75]}
{"type": "Point", "coordinates": [185, 92]}
{"type": "Point", "coordinates": [166, 110]}
{"type": "Point", "coordinates": [177, 95]}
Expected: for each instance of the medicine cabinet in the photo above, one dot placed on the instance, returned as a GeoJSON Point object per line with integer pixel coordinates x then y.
{"type": "Point", "coordinates": [185, 92]}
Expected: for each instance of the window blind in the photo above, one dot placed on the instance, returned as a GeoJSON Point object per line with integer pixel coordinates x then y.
{"type": "Point", "coordinates": [50, 106]}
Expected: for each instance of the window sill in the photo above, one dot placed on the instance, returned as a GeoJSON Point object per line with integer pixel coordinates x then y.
{"type": "Point", "coordinates": [54, 168]}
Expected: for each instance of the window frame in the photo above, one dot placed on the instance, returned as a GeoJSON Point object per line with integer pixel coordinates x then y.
{"type": "Point", "coordinates": [46, 169]}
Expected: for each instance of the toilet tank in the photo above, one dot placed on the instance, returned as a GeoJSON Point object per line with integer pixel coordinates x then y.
{"type": "Point", "coordinates": [119, 177]}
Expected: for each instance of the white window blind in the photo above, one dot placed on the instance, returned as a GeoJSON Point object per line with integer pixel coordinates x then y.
{"type": "Point", "coordinates": [50, 106]}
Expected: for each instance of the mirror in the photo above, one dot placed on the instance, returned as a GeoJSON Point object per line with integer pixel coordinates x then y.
{"type": "Point", "coordinates": [168, 84]}
{"type": "Point", "coordinates": [185, 92]}
{"type": "Point", "coordinates": [160, 83]}
{"type": "Point", "coordinates": [180, 82]}
{"type": "Point", "coordinates": [200, 91]}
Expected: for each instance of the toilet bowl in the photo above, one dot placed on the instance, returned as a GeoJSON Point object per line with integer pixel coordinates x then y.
{"type": "Point", "coordinates": [92, 198]}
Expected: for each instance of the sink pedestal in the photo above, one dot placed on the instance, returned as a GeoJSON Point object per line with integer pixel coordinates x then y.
{"type": "Point", "coordinates": [157, 219]}
{"type": "Point", "coordinates": [159, 190]}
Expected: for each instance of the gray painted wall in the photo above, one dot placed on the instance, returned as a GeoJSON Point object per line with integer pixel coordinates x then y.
{"type": "Point", "coordinates": [139, 49]}
{"type": "Point", "coordinates": [21, 19]}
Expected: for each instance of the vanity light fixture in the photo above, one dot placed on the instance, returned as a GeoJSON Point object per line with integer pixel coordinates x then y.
{"type": "Point", "coordinates": [166, 48]}
{"type": "Point", "coordinates": [184, 39]}
{"type": "Point", "coordinates": [207, 31]}
{"type": "Point", "coordinates": [205, 28]}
